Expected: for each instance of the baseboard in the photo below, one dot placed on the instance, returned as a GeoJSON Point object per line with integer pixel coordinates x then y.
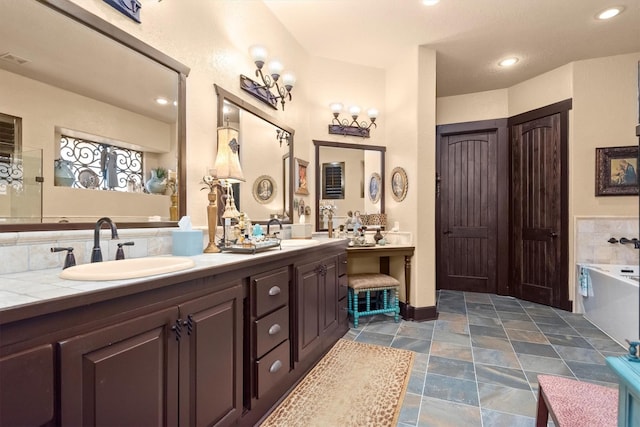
{"type": "Point", "coordinates": [408, 312]}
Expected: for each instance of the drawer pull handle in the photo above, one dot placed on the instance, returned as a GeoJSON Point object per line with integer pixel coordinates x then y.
{"type": "Point", "coordinates": [274, 329]}
{"type": "Point", "coordinates": [274, 290]}
{"type": "Point", "coordinates": [275, 367]}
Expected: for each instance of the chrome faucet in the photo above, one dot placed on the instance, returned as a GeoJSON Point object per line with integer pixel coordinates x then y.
{"type": "Point", "coordinates": [96, 253]}
{"type": "Point", "coordinates": [276, 220]}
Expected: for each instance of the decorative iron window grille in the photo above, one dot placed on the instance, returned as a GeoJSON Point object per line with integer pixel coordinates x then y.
{"type": "Point", "coordinates": [11, 169]}
{"type": "Point", "coordinates": [333, 180]}
{"type": "Point", "coordinates": [102, 166]}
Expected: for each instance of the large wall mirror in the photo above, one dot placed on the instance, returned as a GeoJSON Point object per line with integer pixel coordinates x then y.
{"type": "Point", "coordinates": [82, 89]}
{"type": "Point", "coordinates": [266, 150]}
{"type": "Point", "coordinates": [349, 177]}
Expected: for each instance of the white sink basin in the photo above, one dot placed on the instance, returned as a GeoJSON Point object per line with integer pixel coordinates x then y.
{"type": "Point", "coordinates": [292, 243]}
{"type": "Point", "coordinates": [127, 268]}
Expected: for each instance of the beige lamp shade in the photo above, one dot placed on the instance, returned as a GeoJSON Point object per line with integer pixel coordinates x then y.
{"type": "Point", "coordinates": [227, 164]}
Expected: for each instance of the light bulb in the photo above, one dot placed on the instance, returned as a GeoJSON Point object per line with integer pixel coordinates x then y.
{"type": "Point", "coordinates": [288, 79]}
{"type": "Point", "coordinates": [275, 68]}
{"type": "Point", "coordinates": [508, 62]}
{"type": "Point", "coordinates": [354, 110]}
{"type": "Point", "coordinates": [609, 13]}
{"type": "Point", "coordinates": [336, 107]}
{"type": "Point", "coordinates": [372, 113]}
{"type": "Point", "coordinates": [258, 54]}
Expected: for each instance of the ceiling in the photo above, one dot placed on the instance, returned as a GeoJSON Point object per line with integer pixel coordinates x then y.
{"type": "Point", "coordinates": [469, 36]}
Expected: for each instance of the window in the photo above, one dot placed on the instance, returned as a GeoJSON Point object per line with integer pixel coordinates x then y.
{"type": "Point", "coordinates": [100, 166]}
{"type": "Point", "coordinates": [10, 137]}
{"type": "Point", "coordinates": [333, 180]}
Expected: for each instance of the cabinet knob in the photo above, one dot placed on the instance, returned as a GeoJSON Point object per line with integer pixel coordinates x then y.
{"type": "Point", "coordinates": [274, 290]}
{"type": "Point", "coordinates": [275, 367]}
{"type": "Point", "coordinates": [274, 329]}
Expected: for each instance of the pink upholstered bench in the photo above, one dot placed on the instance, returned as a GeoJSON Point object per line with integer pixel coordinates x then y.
{"type": "Point", "coordinates": [575, 403]}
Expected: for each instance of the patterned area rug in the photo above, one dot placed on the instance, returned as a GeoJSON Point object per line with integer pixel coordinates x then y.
{"type": "Point", "coordinates": [354, 384]}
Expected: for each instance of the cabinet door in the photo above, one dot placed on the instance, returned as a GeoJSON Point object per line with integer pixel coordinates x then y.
{"type": "Point", "coordinates": [308, 285]}
{"type": "Point", "coordinates": [211, 359]}
{"type": "Point", "coordinates": [330, 295]}
{"type": "Point", "coordinates": [27, 394]}
{"type": "Point", "coordinates": [317, 289]}
{"type": "Point", "coordinates": [124, 375]}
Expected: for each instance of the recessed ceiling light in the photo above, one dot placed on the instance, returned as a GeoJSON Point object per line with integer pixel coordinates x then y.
{"type": "Point", "coordinates": [610, 13]}
{"type": "Point", "coordinates": [508, 62]}
{"type": "Point", "coordinates": [162, 101]}
{"type": "Point", "coordinates": [430, 2]}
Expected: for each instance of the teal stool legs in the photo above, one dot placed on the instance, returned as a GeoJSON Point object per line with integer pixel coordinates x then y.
{"type": "Point", "coordinates": [389, 303]}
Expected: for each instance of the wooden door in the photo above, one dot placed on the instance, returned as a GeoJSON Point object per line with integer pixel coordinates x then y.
{"type": "Point", "coordinates": [471, 228]}
{"type": "Point", "coordinates": [123, 375]}
{"type": "Point", "coordinates": [539, 209]}
{"type": "Point", "coordinates": [211, 359]}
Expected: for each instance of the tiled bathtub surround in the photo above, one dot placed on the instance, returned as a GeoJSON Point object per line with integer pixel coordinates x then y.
{"type": "Point", "coordinates": [592, 235]}
{"type": "Point", "coordinates": [27, 251]}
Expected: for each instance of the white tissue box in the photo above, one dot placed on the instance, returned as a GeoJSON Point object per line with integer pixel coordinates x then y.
{"type": "Point", "coordinates": [300, 231]}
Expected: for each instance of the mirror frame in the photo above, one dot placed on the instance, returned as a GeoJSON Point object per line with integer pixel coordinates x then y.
{"type": "Point", "coordinates": [95, 23]}
{"type": "Point", "coordinates": [224, 95]}
{"type": "Point", "coordinates": [350, 146]}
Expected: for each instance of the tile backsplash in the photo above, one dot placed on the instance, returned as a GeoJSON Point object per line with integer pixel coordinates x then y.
{"type": "Point", "coordinates": [592, 235]}
{"type": "Point", "coordinates": [27, 251]}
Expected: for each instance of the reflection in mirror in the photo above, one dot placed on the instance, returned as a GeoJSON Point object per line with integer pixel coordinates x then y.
{"type": "Point", "coordinates": [347, 178]}
{"type": "Point", "coordinates": [97, 123]}
{"type": "Point", "coordinates": [265, 152]}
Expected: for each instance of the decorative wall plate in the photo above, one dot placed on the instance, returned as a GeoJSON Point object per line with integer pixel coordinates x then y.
{"type": "Point", "coordinates": [399, 184]}
{"type": "Point", "coordinates": [374, 187]}
{"type": "Point", "coordinates": [264, 189]}
{"type": "Point", "coordinates": [88, 179]}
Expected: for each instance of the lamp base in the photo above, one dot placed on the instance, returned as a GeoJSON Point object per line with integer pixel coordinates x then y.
{"type": "Point", "coordinates": [211, 249]}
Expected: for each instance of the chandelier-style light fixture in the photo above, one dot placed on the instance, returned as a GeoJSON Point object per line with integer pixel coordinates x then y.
{"type": "Point", "coordinates": [353, 127]}
{"type": "Point", "coordinates": [270, 80]}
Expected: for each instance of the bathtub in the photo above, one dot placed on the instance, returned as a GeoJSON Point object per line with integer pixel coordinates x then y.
{"type": "Point", "coordinates": [615, 303]}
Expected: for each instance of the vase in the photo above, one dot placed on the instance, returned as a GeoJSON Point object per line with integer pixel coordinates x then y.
{"type": "Point", "coordinates": [156, 185]}
{"type": "Point", "coordinates": [63, 175]}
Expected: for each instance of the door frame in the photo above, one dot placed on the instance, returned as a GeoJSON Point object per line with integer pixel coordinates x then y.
{"type": "Point", "coordinates": [562, 107]}
{"type": "Point", "coordinates": [503, 227]}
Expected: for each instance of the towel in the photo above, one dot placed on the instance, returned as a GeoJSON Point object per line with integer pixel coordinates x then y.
{"type": "Point", "coordinates": [586, 290]}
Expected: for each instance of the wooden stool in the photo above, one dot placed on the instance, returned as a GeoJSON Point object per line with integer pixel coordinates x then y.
{"type": "Point", "coordinates": [575, 403]}
{"type": "Point", "coordinates": [365, 283]}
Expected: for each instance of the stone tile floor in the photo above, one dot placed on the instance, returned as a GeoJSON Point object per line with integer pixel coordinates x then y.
{"type": "Point", "coordinates": [477, 364]}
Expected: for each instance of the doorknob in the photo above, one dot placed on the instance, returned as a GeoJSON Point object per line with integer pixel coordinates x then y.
{"type": "Point", "coordinates": [447, 232]}
{"type": "Point", "coordinates": [553, 234]}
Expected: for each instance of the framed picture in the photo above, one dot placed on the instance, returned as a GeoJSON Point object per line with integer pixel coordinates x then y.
{"type": "Point", "coordinates": [399, 184]}
{"type": "Point", "coordinates": [301, 177]}
{"type": "Point", "coordinates": [375, 183]}
{"type": "Point", "coordinates": [616, 171]}
{"type": "Point", "coordinates": [264, 189]}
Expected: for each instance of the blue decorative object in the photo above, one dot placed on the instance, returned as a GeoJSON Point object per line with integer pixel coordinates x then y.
{"type": "Point", "coordinates": [130, 8]}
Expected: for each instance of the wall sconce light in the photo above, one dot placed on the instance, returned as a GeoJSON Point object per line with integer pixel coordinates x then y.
{"type": "Point", "coordinates": [353, 128]}
{"type": "Point", "coordinates": [282, 135]}
{"type": "Point", "coordinates": [270, 80]}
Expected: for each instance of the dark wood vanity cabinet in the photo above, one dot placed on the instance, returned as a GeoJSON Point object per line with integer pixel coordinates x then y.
{"type": "Point", "coordinates": [217, 346]}
{"type": "Point", "coordinates": [177, 366]}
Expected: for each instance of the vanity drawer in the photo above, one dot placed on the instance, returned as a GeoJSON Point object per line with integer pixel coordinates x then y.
{"type": "Point", "coordinates": [271, 290]}
{"type": "Point", "coordinates": [343, 284]}
{"type": "Point", "coordinates": [271, 330]}
{"type": "Point", "coordinates": [272, 368]}
{"type": "Point", "coordinates": [342, 264]}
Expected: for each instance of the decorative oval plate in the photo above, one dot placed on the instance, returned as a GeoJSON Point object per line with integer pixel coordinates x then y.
{"type": "Point", "coordinates": [88, 179]}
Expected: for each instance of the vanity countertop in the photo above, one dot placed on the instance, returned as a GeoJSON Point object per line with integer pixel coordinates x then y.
{"type": "Point", "coordinates": [24, 292]}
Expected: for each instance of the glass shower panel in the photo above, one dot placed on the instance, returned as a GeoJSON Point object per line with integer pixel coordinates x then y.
{"type": "Point", "coordinates": [21, 187]}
